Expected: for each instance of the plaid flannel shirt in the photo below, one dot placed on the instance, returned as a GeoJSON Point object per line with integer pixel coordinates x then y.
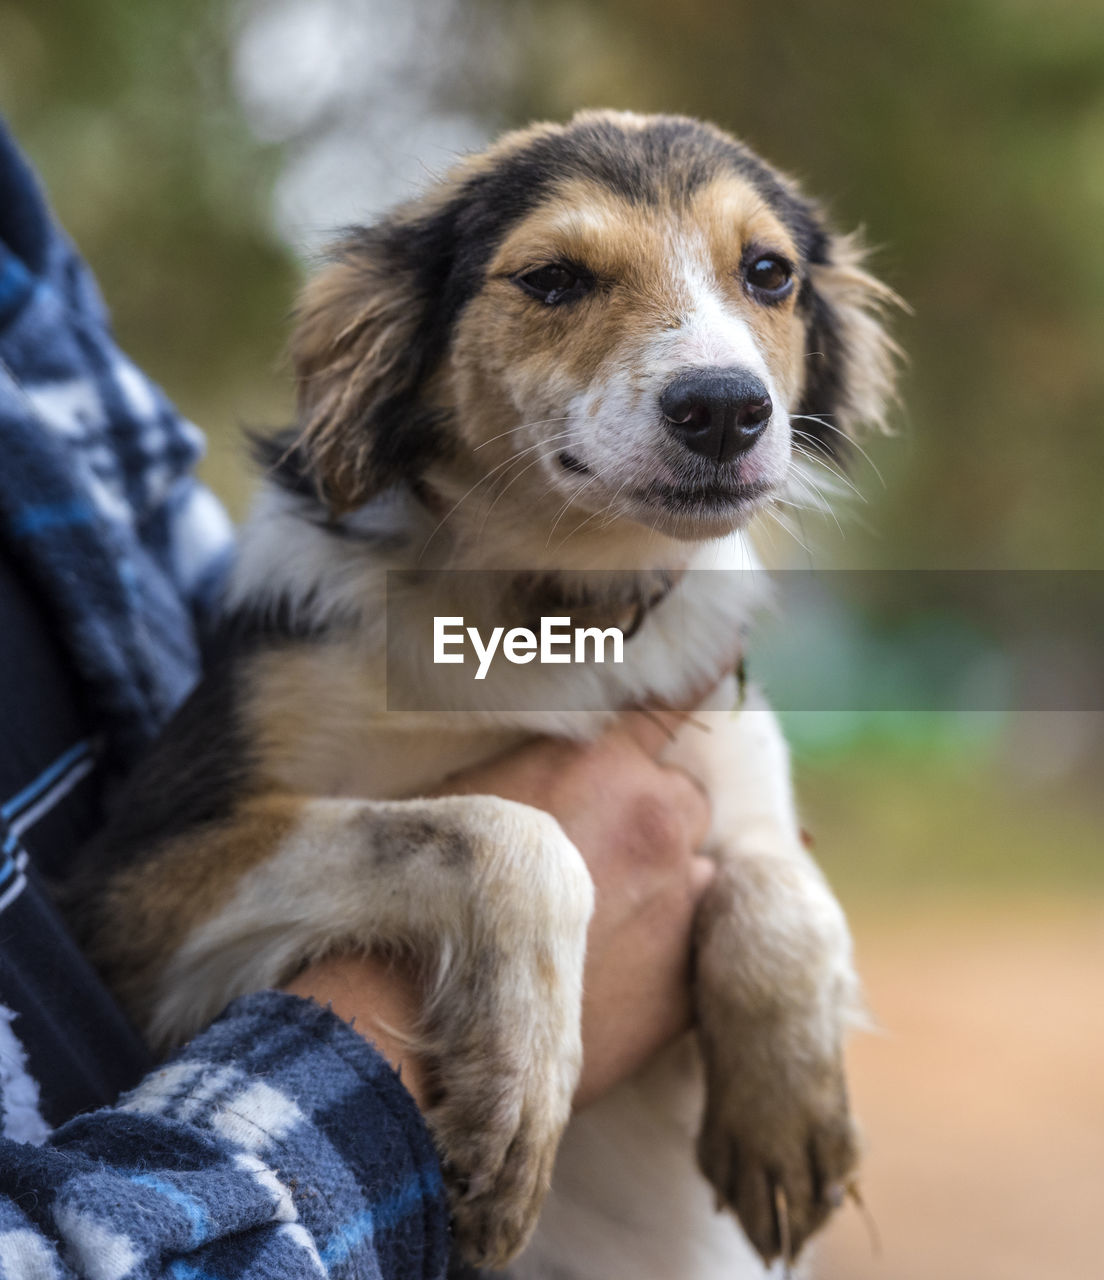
{"type": "Point", "coordinates": [97, 498]}
{"type": "Point", "coordinates": [278, 1143]}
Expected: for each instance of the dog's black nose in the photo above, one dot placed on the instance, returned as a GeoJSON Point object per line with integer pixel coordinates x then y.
{"type": "Point", "coordinates": [716, 412]}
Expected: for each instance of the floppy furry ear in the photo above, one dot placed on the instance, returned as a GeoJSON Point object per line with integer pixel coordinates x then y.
{"type": "Point", "coordinates": [852, 361]}
{"type": "Point", "coordinates": [363, 344]}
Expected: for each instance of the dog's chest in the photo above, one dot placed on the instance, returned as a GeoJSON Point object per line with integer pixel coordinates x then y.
{"type": "Point", "coordinates": [325, 720]}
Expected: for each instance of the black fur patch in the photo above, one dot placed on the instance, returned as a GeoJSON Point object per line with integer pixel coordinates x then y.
{"type": "Point", "coordinates": [245, 631]}
{"type": "Point", "coordinates": [825, 376]}
{"type": "Point", "coordinates": [194, 775]}
{"type": "Point", "coordinates": [281, 460]}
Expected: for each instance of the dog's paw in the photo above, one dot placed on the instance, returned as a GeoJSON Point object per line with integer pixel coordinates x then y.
{"type": "Point", "coordinates": [775, 994]}
{"type": "Point", "coordinates": [505, 1098]}
{"type": "Point", "coordinates": [777, 1141]}
{"type": "Point", "coordinates": [498, 1175]}
{"type": "Point", "coordinates": [504, 1031]}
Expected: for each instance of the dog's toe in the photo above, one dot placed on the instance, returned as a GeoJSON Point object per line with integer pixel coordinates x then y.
{"type": "Point", "coordinates": [492, 1222]}
{"type": "Point", "coordinates": [778, 1155]}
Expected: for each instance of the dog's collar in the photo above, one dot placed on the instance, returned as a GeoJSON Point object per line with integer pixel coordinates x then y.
{"type": "Point", "coordinates": [543, 594]}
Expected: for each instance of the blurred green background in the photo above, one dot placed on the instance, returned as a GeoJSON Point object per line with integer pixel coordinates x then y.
{"type": "Point", "coordinates": [199, 152]}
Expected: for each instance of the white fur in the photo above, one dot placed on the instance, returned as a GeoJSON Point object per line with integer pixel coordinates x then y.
{"type": "Point", "coordinates": [628, 1198]}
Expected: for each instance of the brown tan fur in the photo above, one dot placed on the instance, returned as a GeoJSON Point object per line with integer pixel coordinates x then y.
{"type": "Point", "coordinates": [355, 321]}
{"type": "Point", "coordinates": [166, 899]}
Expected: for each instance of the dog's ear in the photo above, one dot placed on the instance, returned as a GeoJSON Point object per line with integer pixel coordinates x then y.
{"type": "Point", "coordinates": [368, 334]}
{"type": "Point", "coordinates": [851, 359]}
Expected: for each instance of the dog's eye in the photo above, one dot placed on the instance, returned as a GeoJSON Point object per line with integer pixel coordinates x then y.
{"type": "Point", "coordinates": [769, 276]}
{"type": "Point", "coordinates": [555, 283]}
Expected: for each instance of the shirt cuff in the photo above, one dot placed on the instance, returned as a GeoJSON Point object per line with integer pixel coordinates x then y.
{"type": "Point", "coordinates": [284, 1081]}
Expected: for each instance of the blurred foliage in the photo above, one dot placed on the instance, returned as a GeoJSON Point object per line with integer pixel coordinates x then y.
{"type": "Point", "coordinates": [126, 110]}
{"type": "Point", "coordinates": [894, 821]}
{"type": "Point", "coordinates": [966, 136]}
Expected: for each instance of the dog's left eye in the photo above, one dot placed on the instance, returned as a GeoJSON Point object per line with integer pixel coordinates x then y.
{"type": "Point", "coordinates": [769, 276]}
{"type": "Point", "coordinates": [558, 282]}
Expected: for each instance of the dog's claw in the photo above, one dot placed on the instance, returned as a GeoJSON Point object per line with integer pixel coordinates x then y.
{"type": "Point", "coordinates": [851, 1191]}
{"type": "Point", "coordinates": [782, 1216]}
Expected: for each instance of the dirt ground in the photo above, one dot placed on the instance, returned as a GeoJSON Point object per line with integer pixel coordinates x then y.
{"type": "Point", "coordinates": [983, 1099]}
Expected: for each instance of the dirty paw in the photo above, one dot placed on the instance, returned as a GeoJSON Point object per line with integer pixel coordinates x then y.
{"type": "Point", "coordinates": [496, 1194]}
{"type": "Point", "coordinates": [780, 1156]}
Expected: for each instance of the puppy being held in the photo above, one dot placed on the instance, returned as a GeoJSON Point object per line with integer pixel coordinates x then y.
{"type": "Point", "coordinates": [600, 346]}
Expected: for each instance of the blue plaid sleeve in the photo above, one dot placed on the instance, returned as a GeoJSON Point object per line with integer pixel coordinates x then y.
{"type": "Point", "coordinates": [277, 1144]}
{"type": "Point", "coordinates": [98, 503]}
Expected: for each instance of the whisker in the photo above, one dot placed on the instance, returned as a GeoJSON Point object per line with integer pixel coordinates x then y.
{"type": "Point", "coordinates": [821, 507]}
{"type": "Point", "coordinates": [506, 462]}
{"type": "Point", "coordinates": [521, 426]}
{"type": "Point", "coordinates": [613, 502]}
{"type": "Point", "coordinates": [853, 443]}
{"type": "Point", "coordinates": [773, 515]}
{"type": "Point", "coordinates": [508, 476]}
{"type": "Point", "coordinates": [820, 497]}
{"type": "Point", "coordinates": [816, 455]}
{"type": "Point", "coordinates": [571, 533]}
{"type": "Point", "coordinates": [512, 480]}
{"type": "Point", "coordinates": [801, 484]}
{"type": "Point", "coordinates": [595, 475]}
{"type": "Point", "coordinates": [564, 510]}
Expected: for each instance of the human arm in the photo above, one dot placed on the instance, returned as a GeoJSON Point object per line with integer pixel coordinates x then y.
{"type": "Point", "coordinates": [114, 552]}
{"type": "Point", "coordinates": [277, 1144]}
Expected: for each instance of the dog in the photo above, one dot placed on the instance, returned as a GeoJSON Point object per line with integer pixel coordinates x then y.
{"type": "Point", "coordinates": [580, 361]}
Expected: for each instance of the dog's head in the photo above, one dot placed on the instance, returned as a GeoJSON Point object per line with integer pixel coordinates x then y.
{"type": "Point", "coordinates": [631, 315]}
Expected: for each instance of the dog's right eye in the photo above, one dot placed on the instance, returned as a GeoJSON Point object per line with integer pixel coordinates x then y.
{"type": "Point", "coordinates": [555, 283]}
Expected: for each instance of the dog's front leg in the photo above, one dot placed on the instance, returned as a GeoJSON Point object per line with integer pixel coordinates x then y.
{"type": "Point", "coordinates": [774, 991]}
{"type": "Point", "coordinates": [493, 901]}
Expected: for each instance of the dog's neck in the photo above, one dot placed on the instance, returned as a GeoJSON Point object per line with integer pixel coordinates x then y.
{"type": "Point", "coordinates": [297, 562]}
{"type": "Point", "coordinates": [551, 582]}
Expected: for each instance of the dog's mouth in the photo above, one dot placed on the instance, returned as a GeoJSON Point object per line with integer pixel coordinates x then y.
{"type": "Point", "coordinates": [681, 497]}
{"type": "Point", "coordinates": [704, 499]}
{"type": "Point", "coordinates": [687, 506]}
